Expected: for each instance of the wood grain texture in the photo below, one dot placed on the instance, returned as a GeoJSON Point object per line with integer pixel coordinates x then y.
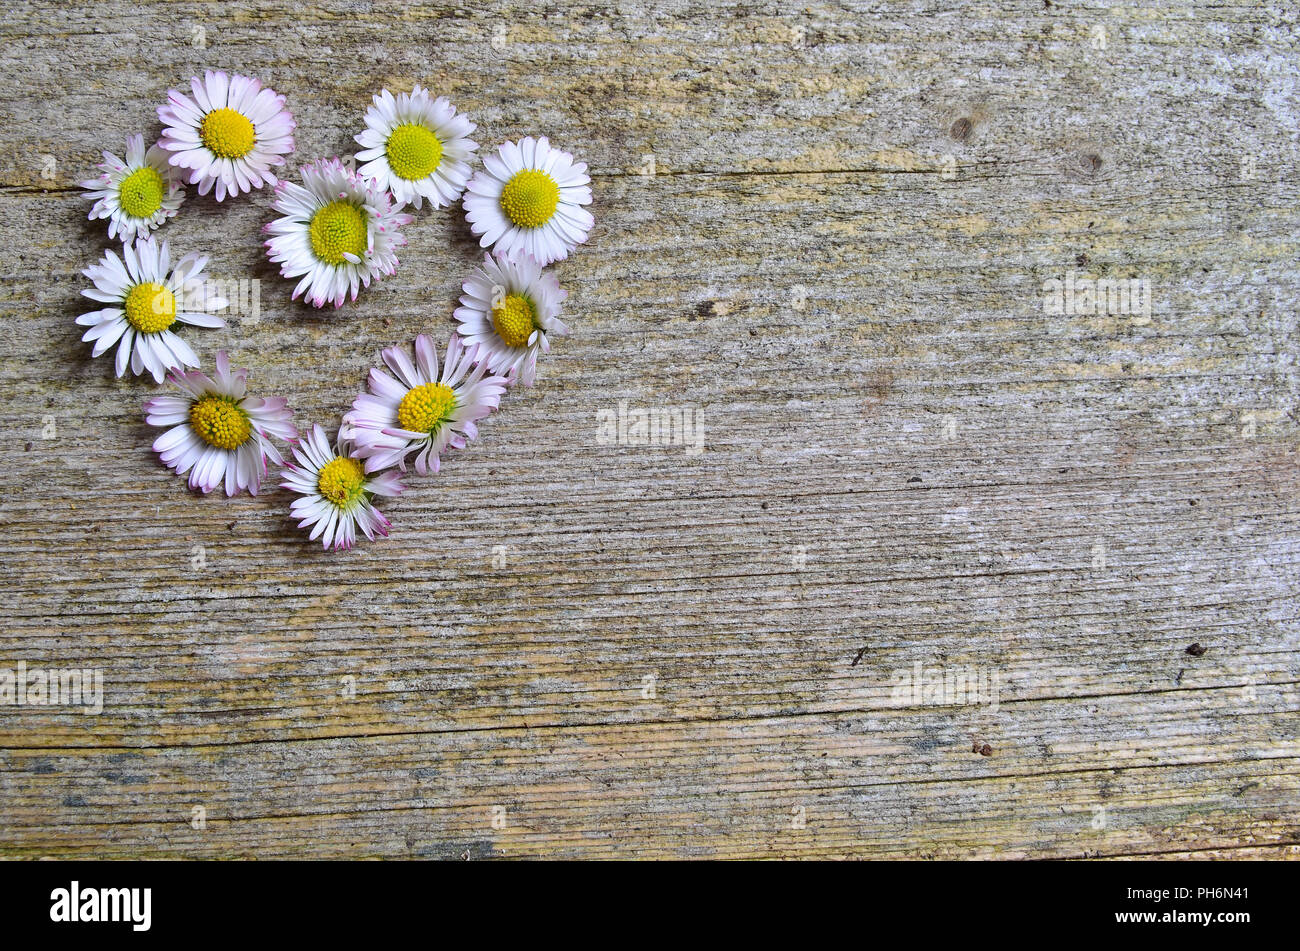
{"type": "Point", "coordinates": [839, 259]}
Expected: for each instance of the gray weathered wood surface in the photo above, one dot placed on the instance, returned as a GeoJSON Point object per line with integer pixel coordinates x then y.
{"type": "Point", "coordinates": [839, 259]}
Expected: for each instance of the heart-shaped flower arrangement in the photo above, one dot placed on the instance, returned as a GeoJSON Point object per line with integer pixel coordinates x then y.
{"type": "Point", "coordinates": [339, 230]}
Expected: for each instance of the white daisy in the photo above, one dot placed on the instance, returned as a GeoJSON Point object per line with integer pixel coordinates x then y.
{"type": "Point", "coordinates": [417, 147]}
{"type": "Point", "coordinates": [338, 233]}
{"type": "Point", "coordinates": [528, 197]}
{"type": "Point", "coordinates": [336, 492]}
{"type": "Point", "coordinates": [230, 134]}
{"type": "Point", "coordinates": [218, 434]}
{"type": "Point", "coordinates": [145, 297]}
{"type": "Point", "coordinates": [508, 310]}
{"type": "Point", "coordinates": [421, 410]}
{"type": "Point", "coordinates": [138, 195]}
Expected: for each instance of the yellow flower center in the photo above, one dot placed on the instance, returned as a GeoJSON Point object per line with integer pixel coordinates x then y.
{"type": "Point", "coordinates": [141, 192]}
{"type": "Point", "coordinates": [513, 320]}
{"type": "Point", "coordinates": [219, 422]}
{"type": "Point", "coordinates": [340, 480]}
{"type": "Point", "coordinates": [413, 152]}
{"type": "Point", "coordinates": [529, 198]}
{"type": "Point", "coordinates": [150, 307]}
{"type": "Point", "coordinates": [336, 229]}
{"type": "Point", "coordinates": [424, 408]}
{"type": "Point", "coordinates": [227, 133]}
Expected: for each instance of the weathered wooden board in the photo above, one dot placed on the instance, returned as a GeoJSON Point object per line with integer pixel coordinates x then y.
{"type": "Point", "coordinates": [826, 227]}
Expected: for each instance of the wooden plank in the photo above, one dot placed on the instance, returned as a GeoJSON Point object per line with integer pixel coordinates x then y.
{"type": "Point", "coordinates": [838, 256]}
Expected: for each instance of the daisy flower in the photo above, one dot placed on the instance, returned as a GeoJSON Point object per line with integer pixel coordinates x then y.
{"type": "Point", "coordinates": [217, 433]}
{"type": "Point", "coordinates": [230, 134]}
{"type": "Point", "coordinates": [336, 492]}
{"type": "Point", "coordinates": [529, 197]}
{"type": "Point", "coordinates": [507, 310]}
{"type": "Point", "coordinates": [138, 195]}
{"type": "Point", "coordinates": [145, 296]}
{"type": "Point", "coordinates": [416, 147]}
{"type": "Point", "coordinates": [339, 231]}
{"type": "Point", "coordinates": [421, 410]}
